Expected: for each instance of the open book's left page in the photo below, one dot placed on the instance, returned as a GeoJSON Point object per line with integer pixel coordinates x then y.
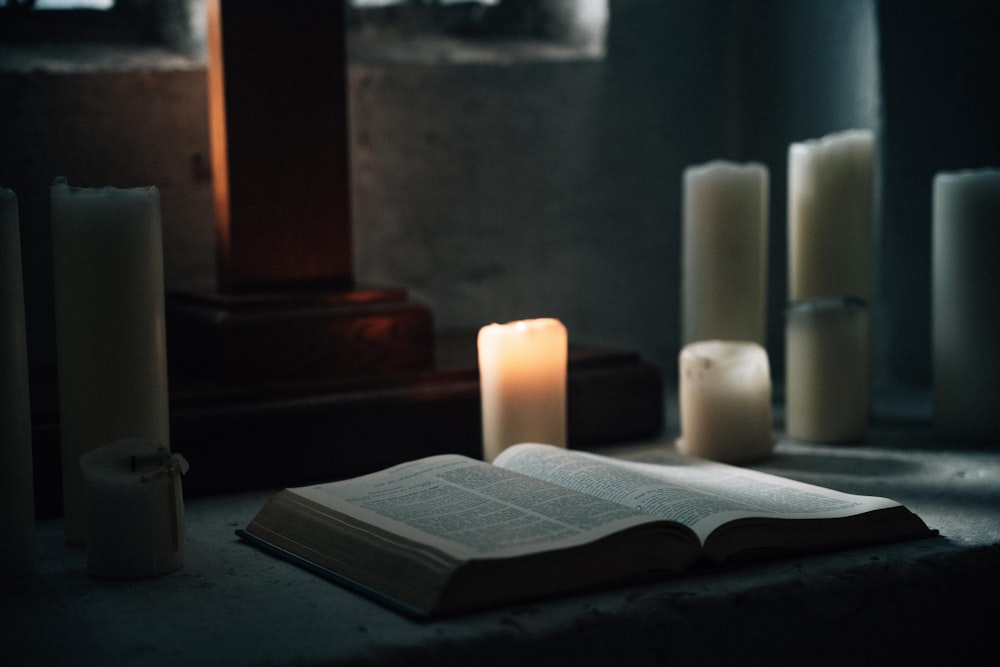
{"type": "Point", "coordinates": [424, 528]}
{"type": "Point", "coordinates": [471, 509]}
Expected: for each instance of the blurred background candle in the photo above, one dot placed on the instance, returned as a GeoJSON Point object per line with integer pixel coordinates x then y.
{"type": "Point", "coordinates": [17, 506]}
{"type": "Point", "coordinates": [522, 380]}
{"type": "Point", "coordinates": [966, 310]}
{"type": "Point", "coordinates": [830, 216]}
{"type": "Point", "coordinates": [724, 284]}
{"type": "Point", "coordinates": [725, 401]}
{"type": "Point", "coordinates": [136, 519]}
{"type": "Point", "coordinates": [826, 370]}
{"type": "Point", "coordinates": [110, 331]}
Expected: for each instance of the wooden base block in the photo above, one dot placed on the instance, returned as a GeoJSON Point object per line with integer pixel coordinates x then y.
{"type": "Point", "coordinates": [243, 436]}
{"type": "Point", "coordinates": [300, 433]}
{"type": "Point", "coordinates": [289, 336]}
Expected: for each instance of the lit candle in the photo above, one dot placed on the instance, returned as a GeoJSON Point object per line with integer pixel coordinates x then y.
{"type": "Point", "coordinates": [826, 370]}
{"type": "Point", "coordinates": [110, 332]}
{"type": "Point", "coordinates": [724, 261]}
{"type": "Point", "coordinates": [17, 508]}
{"type": "Point", "coordinates": [136, 520]}
{"type": "Point", "coordinates": [966, 313]}
{"type": "Point", "coordinates": [830, 216]}
{"type": "Point", "coordinates": [725, 401]}
{"type": "Point", "coordinates": [522, 380]}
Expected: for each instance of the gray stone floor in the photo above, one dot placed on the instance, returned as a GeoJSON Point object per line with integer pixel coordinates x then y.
{"type": "Point", "coordinates": [231, 604]}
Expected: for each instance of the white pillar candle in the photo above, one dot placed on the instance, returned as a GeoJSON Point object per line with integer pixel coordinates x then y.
{"type": "Point", "coordinates": [17, 505]}
{"type": "Point", "coordinates": [725, 401]}
{"type": "Point", "coordinates": [826, 370]}
{"type": "Point", "coordinates": [136, 520]}
{"type": "Point", "coordinates": [724, 260]}
{"type": "Point", "coordinates": [110, 332]}
{"type": "Point", "coordinates": [830, 216]}
{"type": "Point", "coordinates": [966, 312]}
{"type": "Point", "coordinates": [522, 381]}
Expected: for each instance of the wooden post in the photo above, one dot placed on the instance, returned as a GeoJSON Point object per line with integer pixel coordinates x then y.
{"type": "Point", "coordinates": [287, 308]}
{"type": "Point", "coordinates": [280, 163]}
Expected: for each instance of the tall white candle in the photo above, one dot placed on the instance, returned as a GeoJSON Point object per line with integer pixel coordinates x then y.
{"type": "Point", "coordinates": [830, 216]}
{"type": "Point", "coordinates": [110, 332]}
{"type": "Point", "coordinates": [724, 260]}
{"type": "Point", "coordinates": [725, 401]}
{"type": "Point", "coordinates": [522, 380]}
{"type": "Point", "coordinates": [826, 370]}
{"type": "Point", "coordinates": [966, 312]}
{"type": "Point", "coordinates": [17, 505]}
{"type": "Point", "coordinates": [136, 520]}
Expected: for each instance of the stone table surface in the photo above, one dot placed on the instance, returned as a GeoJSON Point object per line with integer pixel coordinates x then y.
{"type": "Point", "coordinates": [927, 599]}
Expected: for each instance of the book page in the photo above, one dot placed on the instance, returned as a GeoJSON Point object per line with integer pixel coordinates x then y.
{"type": "Point", "coordinates": [469, 508]}
{"type": "Point", "coordinates": [697, 493]}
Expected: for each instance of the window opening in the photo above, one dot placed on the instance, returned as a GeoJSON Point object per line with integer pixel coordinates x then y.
{"type": "Point", "coordinates": [62, 5]}
{"type": "Point", "coordinates": [73, 4]}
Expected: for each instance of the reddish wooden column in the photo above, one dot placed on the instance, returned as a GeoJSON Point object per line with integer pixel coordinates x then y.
{"type": "Point", "coordinates": [286, 307]}
{"type": "Point", "coordinates": [279, 129]}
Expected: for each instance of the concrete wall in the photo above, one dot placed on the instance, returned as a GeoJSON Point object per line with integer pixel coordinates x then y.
{"type": "Point", "coordinates": [940, 73]}
{"type": "Point", "coordinates": [122, 128]}
{"type": "Point", "coordinates": [501, 190]}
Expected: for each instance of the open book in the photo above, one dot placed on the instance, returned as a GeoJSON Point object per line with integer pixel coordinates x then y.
{"type": "Point", "coordinates": [448, 533]}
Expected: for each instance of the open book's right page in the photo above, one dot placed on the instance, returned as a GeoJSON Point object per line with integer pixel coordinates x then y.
{"type": "Point", "coordinates": [746, 509]}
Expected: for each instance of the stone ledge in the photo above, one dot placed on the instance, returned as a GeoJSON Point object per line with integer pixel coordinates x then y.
{"type": "Point", "coordinates": [93, 58]}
